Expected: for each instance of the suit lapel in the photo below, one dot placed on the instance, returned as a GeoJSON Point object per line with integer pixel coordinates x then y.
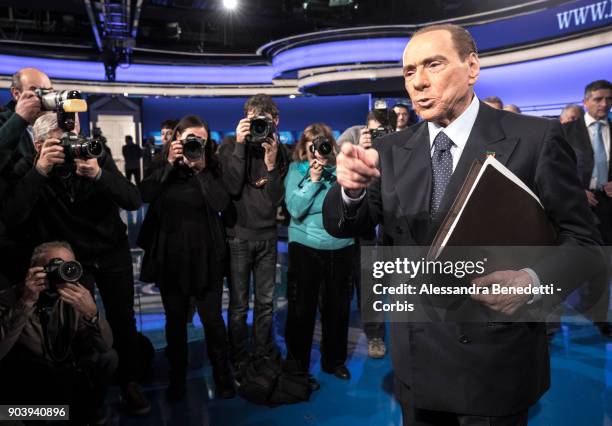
{"type": "Point", "coordinates": [412, 171]}
{"type": "Point", "coordinates": [486, 137]}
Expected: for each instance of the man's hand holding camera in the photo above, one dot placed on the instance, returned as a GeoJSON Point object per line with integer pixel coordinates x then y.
{"type": "Point", "coordinates": [87, 168]}
{"type": "Point", "coordinates": [35, 283]}
{"type": "Point", "coordinates": [243, 130]}
{"type": "Point", "coordinates": [51, 154]}
{"type": "Point", "coordinates": [79, 298]}
{"type": "Point", "coordinates": [28, 106]}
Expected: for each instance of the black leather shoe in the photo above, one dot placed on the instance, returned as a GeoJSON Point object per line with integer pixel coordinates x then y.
{"type": "Point", "coordinates": [340, 372]}
{"type": "Point", "coordinates": [605, 328]}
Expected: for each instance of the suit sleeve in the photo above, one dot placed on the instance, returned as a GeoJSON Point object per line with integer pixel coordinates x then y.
{"type": "Point", "coordinates": [117, 187]}
{"type": "Point", "coordinates": [561, 194]}
{"type": "Point", "coordinates": [358, 220]}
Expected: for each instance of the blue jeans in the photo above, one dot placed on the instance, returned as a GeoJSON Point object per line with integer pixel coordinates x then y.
{"type": "Point", "coordinates": [259, 257]}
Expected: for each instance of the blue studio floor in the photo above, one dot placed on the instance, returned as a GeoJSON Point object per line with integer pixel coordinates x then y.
{"type": "Point", "coordinates": [581, 391]}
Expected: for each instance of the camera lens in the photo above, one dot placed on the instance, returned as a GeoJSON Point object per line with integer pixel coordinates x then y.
{"type": "Point", "coordinates": [70, 271]}
{"type": "Point", "coordinates": [93, 148]}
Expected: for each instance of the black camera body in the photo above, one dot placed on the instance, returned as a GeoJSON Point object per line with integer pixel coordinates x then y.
{"type": "Point", "coordinates": [59, 271]}
{"type": "Point", "coordinates": [380, 131]}
{"type": "Point", "coordinates": [322, 145]}
{"type": "Point", "coordinates": [193, 147]}
{"type": "Point", "coordinates": [262, 128]}
{"type": "Point", "coordinates": [65, 103]}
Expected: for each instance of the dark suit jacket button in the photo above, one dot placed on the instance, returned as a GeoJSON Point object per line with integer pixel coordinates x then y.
{"type": "Point", "coordinates": [464, 339]}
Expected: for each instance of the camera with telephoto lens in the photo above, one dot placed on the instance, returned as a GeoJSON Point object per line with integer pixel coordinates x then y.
{"type": "Point", "coordinates": [59, 271]}
{"type": "Point", "coordinates": [262, 128]}
{"type": "Point", "coordinates": [193, 147]}
{"type": "Point", "coordinates": [380, 131]}
{"type": "Point", "coordinates": [66, 103]}
{"type": "Point", "coordinates": [322, 145]}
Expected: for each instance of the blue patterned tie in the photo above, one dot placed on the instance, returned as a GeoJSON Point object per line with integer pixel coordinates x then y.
{"type": "Point", "coordinates": [600, 168]}
{"type": "Point", "coordinates": [442, 164]}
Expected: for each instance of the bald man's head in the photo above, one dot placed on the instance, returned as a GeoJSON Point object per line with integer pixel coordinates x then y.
{"type": "Point", "coordinates": [28, 79]}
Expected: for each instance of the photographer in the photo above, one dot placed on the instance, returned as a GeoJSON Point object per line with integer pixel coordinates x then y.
{"type": "Point", "coordinates": [253, 169]}
{"type": "Point", "coordinates": [58, 195]}
{"type": "Point", "coordinates": [22, 111]}
{"type": "Point", "coordinates": [54, 345]}
{"type": "Point", "coordinates": [319, 264]}
{"type": "Point", "coordinates": [380, 122]}
{"type": "Point", "coordinates": [15, 142]}
{"type": "Point", "coordinates": [184, 242]}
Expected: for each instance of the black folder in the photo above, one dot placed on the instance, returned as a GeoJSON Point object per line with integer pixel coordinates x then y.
{"type": "Point", "coordinates": [493, 208]}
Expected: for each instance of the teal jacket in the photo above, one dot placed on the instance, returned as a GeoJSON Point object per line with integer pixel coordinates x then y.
{"type": "Point", "coordinates": [304, 200]}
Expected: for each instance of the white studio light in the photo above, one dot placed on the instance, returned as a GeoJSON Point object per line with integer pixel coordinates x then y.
{"type": "Point", "coordinates": [230, 4]}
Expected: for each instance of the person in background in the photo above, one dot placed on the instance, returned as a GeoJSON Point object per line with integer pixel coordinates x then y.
{"type": "Point", "coordinates": [494, 101]}
{"type": "Point", "coordinates": [320, 266]}
{"type": "Point", "coordinates": [570, 112]}
{"type": "Point", "coordinates": [590, 136]}
{"type": "Point", "coordinates": [132, 154]}
{"type": "Point", "coordinates": [184, 241]}
{"type": "Point", "coordinates": [403, 117]}
{"type": "Point", "coordinates": [512, 108]}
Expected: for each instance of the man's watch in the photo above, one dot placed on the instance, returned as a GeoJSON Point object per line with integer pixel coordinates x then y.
{"type": "Point", "coordinates": [93, 320]}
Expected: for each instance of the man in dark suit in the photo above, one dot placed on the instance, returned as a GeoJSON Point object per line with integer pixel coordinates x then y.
{"type": "Point", "coordinates": [458, 373]}
{"type": "Point", "coordinates": [590, 137]}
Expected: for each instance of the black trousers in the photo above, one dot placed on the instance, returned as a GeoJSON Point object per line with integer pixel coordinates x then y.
{"type": "Point", "coordinates": [259, 257]}
{"type": "Point", "coordinates": [318, 276]}
{"type": "Point", "coordinates": [133, 172]}
{"type": "Point", "coordinates": [115, 280]}
{"type": "Point", "coordinates": [376, 327]}
{"type": "Point", "coordinates": [177, 307]}
{"type": "Point", "coordinates": [595, 294]}
{"type": "Point", "coordinates": [413, 416]}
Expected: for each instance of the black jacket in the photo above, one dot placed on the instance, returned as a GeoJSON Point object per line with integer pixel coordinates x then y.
{"type": "Point", "coordinates": [159, 224]}
{"type": "Point", "coordinates": [578, 137]}
{"type": "Point", "coordinates": [79, 210]}
{"type": "Point", "coordinates": [486, 369]}
{"type": "Point", "coordinates": [252, 213]}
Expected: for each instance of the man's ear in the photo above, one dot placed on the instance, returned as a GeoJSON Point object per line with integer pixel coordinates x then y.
{"type": "Point", "coordinates": [474, 68]}
{"type": "Point", "coordinates": [276, 120]}
{"type": "Point", "coordinates": [38, 146]}
{"type": "Point", "coordinates": [15, 93]}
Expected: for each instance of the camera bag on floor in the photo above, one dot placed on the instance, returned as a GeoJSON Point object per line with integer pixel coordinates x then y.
{"type": "Point", "coordinates": [267, 381]}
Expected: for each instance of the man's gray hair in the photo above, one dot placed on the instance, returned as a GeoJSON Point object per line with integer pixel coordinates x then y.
{"type": "Point", "coordinates": [44, 125]}
{"type": "Point", "coordinates": [574, 107]}
{"type": "Point", "coordinates": [41, 250]}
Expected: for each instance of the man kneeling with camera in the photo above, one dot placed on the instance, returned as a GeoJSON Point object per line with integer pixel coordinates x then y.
{"type": "Point", "coordinates": [55, 349]}
{"type": "Point", "coordinates": [72, 191]}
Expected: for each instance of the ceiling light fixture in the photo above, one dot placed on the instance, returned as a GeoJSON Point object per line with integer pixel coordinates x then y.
{"type": "Point", "coordinates": [230, 4]}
